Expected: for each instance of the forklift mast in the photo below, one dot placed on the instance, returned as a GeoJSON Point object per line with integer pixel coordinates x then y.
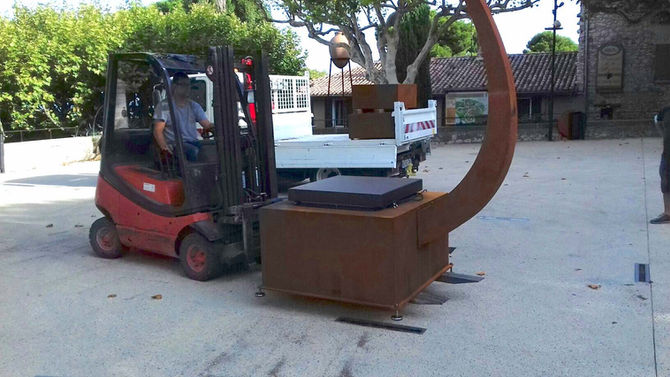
{"type": "Point", "coordinates": [247, 161]}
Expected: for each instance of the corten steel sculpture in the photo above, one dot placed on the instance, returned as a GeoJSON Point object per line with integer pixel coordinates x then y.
{"type": "Point", "coordinates": [385, 258]}
{"type": "Point", "coordinates": [495, 156]}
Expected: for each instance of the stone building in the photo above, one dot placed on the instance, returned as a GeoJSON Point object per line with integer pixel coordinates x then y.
{"type": "Point", "coordinates": [619, 79]}
{"type": "Point", "coordinates": [459, 86]}
{"type": "Point", "coordinates": [624, 59]}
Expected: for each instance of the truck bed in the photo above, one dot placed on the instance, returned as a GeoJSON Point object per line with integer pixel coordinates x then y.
{"type": "Point", "coordinates": [335, 151]}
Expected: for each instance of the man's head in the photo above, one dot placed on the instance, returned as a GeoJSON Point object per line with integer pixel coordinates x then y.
{"type": "Point", "coordinates": [181, 85]}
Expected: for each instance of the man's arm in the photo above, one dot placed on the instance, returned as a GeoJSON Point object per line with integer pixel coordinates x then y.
{"type": "Point", "coordinates": [201, 117]}
{"type": "Point", "coordinates": [206, 124]}
{"type": "Point", "coordinates": [159, 126]}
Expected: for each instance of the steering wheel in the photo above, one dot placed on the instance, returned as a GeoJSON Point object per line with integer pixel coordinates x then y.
{"type": "Point", "coordinates": [207, 134]}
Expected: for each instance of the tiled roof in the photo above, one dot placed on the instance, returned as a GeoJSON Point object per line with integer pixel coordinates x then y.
{"type": "Point", "coordinates": [532, 73]}
{"type": "Point", "coordinates": [319, 87]}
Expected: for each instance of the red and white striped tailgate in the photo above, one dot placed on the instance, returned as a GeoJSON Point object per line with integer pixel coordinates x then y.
{"type": "Point", "coordinates": [419, 126]}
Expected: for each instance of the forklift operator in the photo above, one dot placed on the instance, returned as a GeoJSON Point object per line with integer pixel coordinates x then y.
{"type": "Point", "coordinates": [187, 113]}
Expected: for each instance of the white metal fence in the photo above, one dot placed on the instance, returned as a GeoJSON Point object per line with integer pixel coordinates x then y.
{"type": "Point", "coordinates": [290, 94]}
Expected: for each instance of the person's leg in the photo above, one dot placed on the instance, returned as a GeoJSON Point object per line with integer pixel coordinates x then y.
{"type": "Point", "coordinates": [191, 150]}
{"type": "Point", "coordinates": [664, 171]}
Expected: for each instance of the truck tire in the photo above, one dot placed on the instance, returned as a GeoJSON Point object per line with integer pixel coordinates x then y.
{"type": "Point", "coordinates": [323, 173]}
{"type": "Point", "coordinates": [105, 239]}
{"type": "Point", "coordinates": [199, 258]}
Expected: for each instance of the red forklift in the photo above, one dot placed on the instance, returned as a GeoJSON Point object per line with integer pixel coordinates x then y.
{"type": "Point", "coordinates": [203, 212]}
{"type": "Point", "coordinates": [366, 240]}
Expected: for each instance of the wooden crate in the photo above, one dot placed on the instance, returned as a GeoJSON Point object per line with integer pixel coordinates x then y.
{"type": "Point", "coordinates": [383, 96]}
{"type": "Point", "coordinates": [373, 125]}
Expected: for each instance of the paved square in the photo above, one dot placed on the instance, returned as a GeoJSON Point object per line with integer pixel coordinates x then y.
{"type": "Point", "coordinates": [569, 215]}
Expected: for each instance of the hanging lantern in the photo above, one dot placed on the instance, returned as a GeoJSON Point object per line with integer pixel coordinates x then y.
{"type": "Point", "coordinates": [339, 54]}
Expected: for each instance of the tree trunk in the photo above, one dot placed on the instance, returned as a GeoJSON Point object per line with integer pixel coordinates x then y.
{"type": "Point", "coordinates": [221, 5]}
{"type": "Point", "coordinates": [391, 52]}
{"type": "Point", "coordinates": [47, 113]}
{"type": "Point", "coordinates": [413, 69]}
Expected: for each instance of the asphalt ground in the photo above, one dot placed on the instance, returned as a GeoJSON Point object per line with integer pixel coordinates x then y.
{"type": "Point", "coordinates": [569, 215]}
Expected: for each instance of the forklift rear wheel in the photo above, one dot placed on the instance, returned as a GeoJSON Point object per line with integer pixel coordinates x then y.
{"type": "Point", "coordinates": [199, 258]}
{"type": "Point", "coordinates": [105, 239]}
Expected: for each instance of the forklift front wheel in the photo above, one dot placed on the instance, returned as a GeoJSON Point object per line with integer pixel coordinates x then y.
{"type": "Point", "coordinates": [198, 258]}
{"type": "Point", "coordinates": [104, 239]}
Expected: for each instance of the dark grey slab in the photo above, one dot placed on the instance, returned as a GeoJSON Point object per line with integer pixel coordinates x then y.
{"type": "Point", "coordinates": [355, 192]}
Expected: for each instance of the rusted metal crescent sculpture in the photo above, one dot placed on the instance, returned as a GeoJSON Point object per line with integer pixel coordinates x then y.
{"type": "Point", "coordinates": [385, 258]}
{"type": "Point", "coordinates": [495, 156]}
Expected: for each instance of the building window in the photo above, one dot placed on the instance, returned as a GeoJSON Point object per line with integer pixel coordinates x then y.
{"type": "Point", "coordinates": [529, 108]}
{"type": "Point", "coordinates": [536, 110]}
{"type": "Point", "coordinates": [524, 108]}
{"type": "Point", "coordinates": [607, 112]}
{"type": "Point", "coordinates": [662, 63]}
{"type": "Point", "coordinates": [338, 113]}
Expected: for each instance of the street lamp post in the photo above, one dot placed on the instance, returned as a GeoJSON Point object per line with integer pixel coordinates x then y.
{"type": "Point", "coordinates": [555, 26]}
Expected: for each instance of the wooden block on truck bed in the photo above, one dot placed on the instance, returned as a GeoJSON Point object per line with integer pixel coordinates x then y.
{"type": "Point", "coordinates": [371, 126]}
{"type": "Point", "coordinates": [383, 96]}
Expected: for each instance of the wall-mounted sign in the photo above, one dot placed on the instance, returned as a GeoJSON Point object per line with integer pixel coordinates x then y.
{"type": "Point", "coordinates": [609, 70]}
{"type": "Point", "coordinates": [466, 108]}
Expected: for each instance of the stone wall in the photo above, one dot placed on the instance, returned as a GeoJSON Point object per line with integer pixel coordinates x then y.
{"type": "Point", "coordinates": [29, 155]}
{"type": "Point", "coordinates": [641, 97]}
{"type": "Point", "coordinates": [538, 131]}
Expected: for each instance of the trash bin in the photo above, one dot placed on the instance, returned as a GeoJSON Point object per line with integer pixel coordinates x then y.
{"type": "Point", "coordinates": [577, 122]}
{"type": "Point", "coordinates": [571, 125]}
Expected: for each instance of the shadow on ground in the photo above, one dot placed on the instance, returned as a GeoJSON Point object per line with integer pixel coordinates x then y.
{"type": "Point", "coordinates": [70, 180]}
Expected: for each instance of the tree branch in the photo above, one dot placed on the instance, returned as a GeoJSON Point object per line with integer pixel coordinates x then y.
{"type": "Point", "coordinates": [502, 6]}
{"type": "Point", "coordinates": [368, 60]}
{"type": "Point", "coordinates": [380, 16]}
{"type": "Point", "coordinates": [433, 33]}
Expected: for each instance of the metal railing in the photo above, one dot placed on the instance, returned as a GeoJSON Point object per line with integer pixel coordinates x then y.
{"type": "Point", "coordinates": [12, 136]}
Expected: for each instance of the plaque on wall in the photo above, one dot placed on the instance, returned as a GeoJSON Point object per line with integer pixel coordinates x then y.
{"type": "Point", "coordinates": [466, 108]}
{"type": "Point", "coordinates": [609, 72]}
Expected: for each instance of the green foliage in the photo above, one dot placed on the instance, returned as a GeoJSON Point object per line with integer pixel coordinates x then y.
{"type": "Point", "coordinates": [248, 10]}
{"type": "Point", "coordinates": [315, 74]}
{"type": "Point", "coordinates": [321, 18]}
{"type": "Point", "coordinates": [458, 40]}
{"type": "Point", "coordinates": [193, 31]}
{"type": "Point", "coordinates": [414, 28]}
{"type": "Point", "coordinates": [54, 61]}
{"type": "Point", "coordinates": [441, 51]}
{"type": "Point", "coordinates": [542, 43]}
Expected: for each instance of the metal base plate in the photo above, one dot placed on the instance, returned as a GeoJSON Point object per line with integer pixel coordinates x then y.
{"type": "Point", "coordinates": [454, 278]}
